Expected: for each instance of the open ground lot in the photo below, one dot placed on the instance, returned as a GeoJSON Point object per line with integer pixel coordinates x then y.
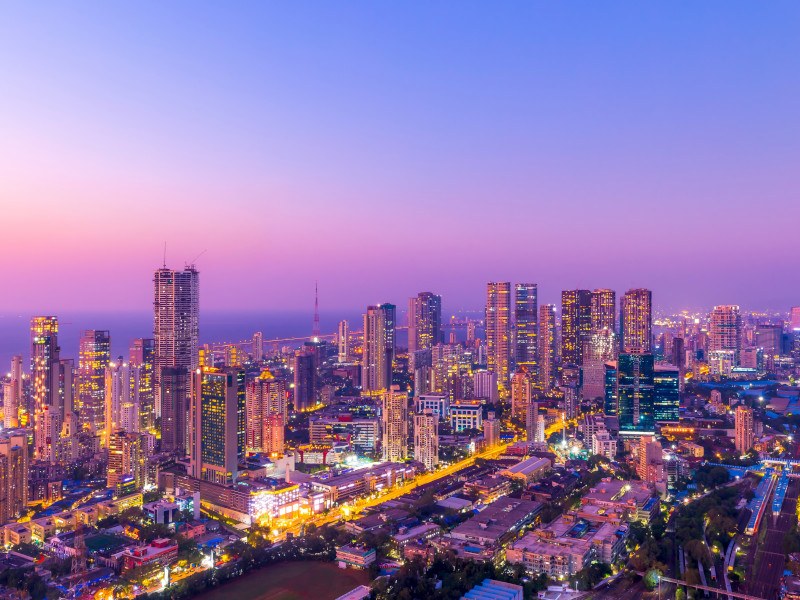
{"type": "Point", "coordinates": [291, 581]}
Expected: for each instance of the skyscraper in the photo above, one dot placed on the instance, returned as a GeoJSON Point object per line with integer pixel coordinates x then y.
{"type": "Point", "coordinates": [62, 422]}
{"type": "Point", "coordinates": [121, 408]}
{"type": "Point", "coordinates": [218, 424]}
{"type": "Point", "coordinates": [390, 324]}
{"type": "Point", "coordinates": [604, 311]}
{"type": "Point", "coordinates": [636, 393]}
{"type": "Point", "coordinates": [491, 430]}
{"type": "Point", "coordinates": [636, 317]}
{"type": "Point", "coordinates": [424, 322]}
{"type": "Point", "coordinates": [526, 327]}
{"type": "Point", "coordinates": [521, 393]}
{"type": "Point", "coordinates": [376, 363]}
{"type": "Point", "coordinates": [667, 399]}
{"type": "Point", "coordinates": [142, 358]}
{"type": "Point", "coordinates": [126, 459]}
{"type": "Point", "coordinates": [13, 476]}
{"type": "Point", "coordinates": [394, 425]}
{"type": "Point", "coordinates": [426, 439]}
{"type": "Point", "coordinates": [344, 342]}
{"type": "Point", "coordinates": [305, 379]}
{"type": "Point", "coordinates": [576, 324]}
{"type": "Point", "coordinates": [610, 399]}
{"type": "Point", "coordinates": [794, 319]}
{"type": "Point", "coordinates": [265, 396]}
{"type": "Point", "coordinates": [176, 318]}
{"type": "Point", "coordinates": [48, 412]}
{"type": "Point", "coordinates": [258, 346]}
{"type": "Point", "coordinates": [725, 331]}
{"type": "Point", "coordinates": [273, 433]}
{"type": "Point", "coordinates": [498, 331]}
{"type": "Point", "coordinates": [12, 394]}
{"type": "Point", "coordinates": [174, 408]}
{"type": "Point", "coordinates": [94, 356]}
{"type": "Point", "coordinates": [602, 348]}
{"type": "Point", "coordinates": [744, 429]}
{"type": "Point", "coordinates": [547, 347]}
{"type": "Point", "coordinates": [651, 461]}
{"type": "Point", "coordinates": [534, 424]}
{"type": "Point", "coordinates": [769, 338]}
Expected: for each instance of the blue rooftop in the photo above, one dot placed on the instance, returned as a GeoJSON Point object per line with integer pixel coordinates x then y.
{"type": "Point", "coordinates": [490, 589]}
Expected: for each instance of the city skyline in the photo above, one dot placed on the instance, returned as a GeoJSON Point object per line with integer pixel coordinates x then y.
{"type": "Point", "coordinates": [424, 300]}
{"type": "Point", "coordinates": [658, 141]}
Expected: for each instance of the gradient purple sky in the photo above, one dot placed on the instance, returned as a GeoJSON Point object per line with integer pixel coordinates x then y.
{"type": "Point", "coordinates": [388, 148]}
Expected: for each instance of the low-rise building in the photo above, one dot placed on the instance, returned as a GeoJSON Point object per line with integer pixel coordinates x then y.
{"type": "Point", "coordinates": [491, 589]}
{"type": "Point", "coordinates": [466, 414]}
{"type": "Point", "coordinates": [500, 521]}
{"type": "Point", "coordinates": [567, 545]}
{"type": "Point", "coordinates": [420, 533]}
{"type": "Point", "coordinates": [16, 533]}
{"type": "Point", "coordinates": [359, 557]}
{"type": "Point", "coordinates": [363, 481]}
{"type": "Point", "coordinates": [604, 444]}
{"type": "Point", "coordinates": [488, 489]}
{"type": "Point", "coordinates": [631, 498]}
{"type": "Point", "coordinates": [528, 470]}
{"type": "Point", "coordinates": [160, 552]}
{"type": "Point", "coordinates": [246, 500]}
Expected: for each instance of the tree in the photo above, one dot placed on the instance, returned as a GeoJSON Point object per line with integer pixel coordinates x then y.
{"type": "Point", "coordinates": [652, 578]}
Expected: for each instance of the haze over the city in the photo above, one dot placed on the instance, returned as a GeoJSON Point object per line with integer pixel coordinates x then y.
{"type": "Point", "coordinates": [382, 150]}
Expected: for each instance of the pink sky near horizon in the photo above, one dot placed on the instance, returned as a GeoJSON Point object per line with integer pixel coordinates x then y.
{"type": "Point", "coordinates": [399, 151]}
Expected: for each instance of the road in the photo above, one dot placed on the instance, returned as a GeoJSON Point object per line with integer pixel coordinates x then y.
{"type": "Point", "coordinates": [770, 558]}
{"type": "Point", "coordinates": [351, 510]}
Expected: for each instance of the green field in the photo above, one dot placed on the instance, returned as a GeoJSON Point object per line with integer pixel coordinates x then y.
{"type": "Point", "coordinates": [291, 581]}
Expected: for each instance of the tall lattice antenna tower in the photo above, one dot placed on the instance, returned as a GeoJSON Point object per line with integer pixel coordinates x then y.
{"type": "Point", "coordinates": [315, 328]}
{"type": "Point", "coordinates": [79, 560]}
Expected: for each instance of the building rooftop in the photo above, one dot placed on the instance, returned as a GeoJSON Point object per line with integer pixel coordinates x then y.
{"type": "Point", "coordinates": [498, 519]}
{"type": "Point", "coordinates": [490, 589]}
{"type": "Point", "coordinates": [529, 465]}
{"type": "Point", "coordinates": [569, 535]}
{"type": "Point", "coordinates": [617, 491]}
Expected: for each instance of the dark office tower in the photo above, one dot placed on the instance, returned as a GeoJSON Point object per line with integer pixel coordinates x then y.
{"type": "Point", "coordinates": [498, 331]}
{"type": "Point", "coordinates": [305, 379]}
{"type": "Point", "coordinates": [217, 424]}
{"type": "Point", "coordinates": [390, 316]}
{"type": "Point", "coordinates": [44, 361]}
{"type": "Point", "coordinates": [636, 318]}
{"type": "Point", "coordinates": [666, 385]}
{"type": "Point", "coordinates": [143, 357]}
{"type": "Point", "coordinates": [94, 355]}
{"type": "Point", "coordinates": [604, 311]}
{"type": "Point", "coordinates": [769, 338]}
{"type": "Point", "coordinates": [576, 324]}
{"type": "Point", "coordinates": [174, 409]}
{"type": "Point", "coordinates": [176, 315]}
{"type": "Point", "coordinates": [424, 322]}
{"type": "Point", "coordinates": [547, 347]}
{"type": "Point", "coordinates": [678, 354]}
{"type": "Point", "coordinates": [610, 401]}
{"type": "Point", "coordinates": [636, 393]}
{"type": "Point", "coordinates": [526, 326]}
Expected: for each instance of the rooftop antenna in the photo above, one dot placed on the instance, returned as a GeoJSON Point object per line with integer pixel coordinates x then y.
{"type": "Point", "coordinates": [194, 260]}
{"type": "Point", "coordinates": [315, 329]}
{"type": "Point", "coordinates": [165, 254]}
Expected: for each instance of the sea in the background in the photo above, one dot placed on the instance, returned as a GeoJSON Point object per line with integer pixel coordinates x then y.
{"type": "Point", "coordinates": [214, 327]}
